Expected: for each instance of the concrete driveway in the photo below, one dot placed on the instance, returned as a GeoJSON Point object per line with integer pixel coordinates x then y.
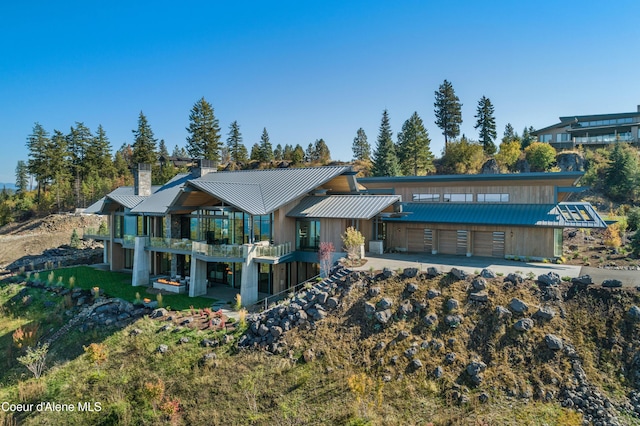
{"type": "Point", "coordinates": [471, 265]}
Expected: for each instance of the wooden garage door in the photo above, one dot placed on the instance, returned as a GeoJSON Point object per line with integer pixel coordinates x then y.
{"type": "Point", "coordinates": [447, 241]}
{"type": "Point", "coordinates": [488, 244]}
{"type": "Point", "coordinates": [419, 240]}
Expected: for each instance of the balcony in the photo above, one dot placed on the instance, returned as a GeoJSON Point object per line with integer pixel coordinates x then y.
{"type": "Point", "coordinates": [278, 250]}
{"type": "Point", "coordinates": [186, 246]}
{"type": "Point", "coordinates": [170, 244]}
{"type": "Point", "coordinates": [222, 250]}
{"type": "Point", "coordinates": [96, 234]}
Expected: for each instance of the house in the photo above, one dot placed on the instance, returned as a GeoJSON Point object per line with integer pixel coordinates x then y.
{"type": "Point", "coordinates": [592, 130]}
{"type": "Point", "coordinates": [260, 230]}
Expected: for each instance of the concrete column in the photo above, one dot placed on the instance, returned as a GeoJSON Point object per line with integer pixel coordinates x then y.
{"type": "Point", "coordinates": [249, 282]}
{"type": "Point", "coordinates": [141, 263]}
{"type": "Point", "coordinates": [198, 279]}
{"type": "Point", "coordinates": [105, 251]}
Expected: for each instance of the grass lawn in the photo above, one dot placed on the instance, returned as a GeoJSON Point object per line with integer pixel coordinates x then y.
{"type": "Point", "coordinates": [118, 284]}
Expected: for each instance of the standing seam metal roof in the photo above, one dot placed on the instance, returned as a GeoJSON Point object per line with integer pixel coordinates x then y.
{"type": "Point", "coordinates": [343, 206]}
{"type": "Point", "coordinates": [546, 215]}
{"type": "Point", "coordinates": [158, 203]}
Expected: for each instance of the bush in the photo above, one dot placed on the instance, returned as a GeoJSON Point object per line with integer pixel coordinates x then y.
{"type": "Point", "coordinates": [35, 359]}
{"type": "Point", "coordinates": [540, 156]}
{"type": "Point", "coordinates": [611, 236]}
{"type": "Point", "coordinates": [635, 243]}
{"type": "Point", "coordinates": [633, 219]}
{"type": "Point", "coordinates": [75, 239]}
{"type": "Point", "coordinates": [352, 240]}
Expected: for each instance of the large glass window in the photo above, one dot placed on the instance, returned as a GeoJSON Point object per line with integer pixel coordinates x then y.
{"type": "Point", "coordinates": [434, 198]}
{"type": "Point", "coordinates": [130, 225]}
{"type": "Point", "coordinates": [545, 138]}
{"type": "Point", "coordinates": [262, 228]}
{"type": "Point", "coordinates": [307, 235]}
{"type": "Point", "coordinates": [563, 137]}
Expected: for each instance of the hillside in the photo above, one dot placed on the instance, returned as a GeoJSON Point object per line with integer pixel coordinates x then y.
{"type": "Point", "coordinates": [385, 349]}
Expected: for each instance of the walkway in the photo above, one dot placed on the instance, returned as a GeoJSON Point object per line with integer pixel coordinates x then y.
{"type": "Point", "coordinates": [471, 265]}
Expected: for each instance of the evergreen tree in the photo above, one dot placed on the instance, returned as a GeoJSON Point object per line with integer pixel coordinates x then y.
{"type": "Point", "coordinates": [22, 177]}
{"type": "Point", "coordinates": [256, 155]}
{"type": "Point", "coordinates": [385, 161]}
{"type": "Point", "coordinates": [278, 153]}
{"type": "Point", "coordinates": [122, 169]}
{"type": "Point", "coordinates": [510, 134]}
{"type": "Point", "coordinates": [414, 153]}
{"type": "Point", "coordinates": [622, 175]}
{"type": "Point", "coordinates": [487, 125]}
{"type": "Point", "coordinates": [179, 152]}
{"type": "Point", "coordinates": [98, 154]}
{"type": "Point", "coordinates": [38, 143]}
{"type": "Point", "coordinates": [204, 132]}
{"type": "Point", "coordinates": [527, 137]}
{"type": "Point", "coordinates": [309, 154]}
{"type": "Point", "coordinates": [361, 148]}
{"type": "Point", "coordinates": [60, 170]}
{"type": "Point", "coordinates": [237, 150]}
{"type": "Point", "coordinates": [287, 153]}
{"type": "Point", "coordinates": [144, 145]}
{"type": "Point", "coordinates": [448, 112]}
{"type": "Point", "coordinates": [162, 149]}
{"type": "Point", "coordinates": [297, 156]}
{"type": "Point", "coordinates": [266, 150]}
{"type": "Point", "coordinates": [321, 152]}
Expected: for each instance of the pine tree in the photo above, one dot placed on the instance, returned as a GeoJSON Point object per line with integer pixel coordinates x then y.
{"type": "Point", "coordinates": [385, 161]}
{"type": "Point", "coordinates": [255, 153]}
{"type": "Point", "coordinates": [162, 149]}
{"type": "Point", "coordinates": [266, 150]}
{"type": "Point", "coordinates": [144, 145]}
{"type": "Point", "coordinates": [361, 148]}
{"type": "Point", "coordinates": [98, 154]}
{"type": "Point", "coordinates": [204, 132]}
{"type": "Point", "coordinates": [309, 154]}
{"type": "Point", "coordinates": [179, 152]}
{"type": "Point", "coordinates": [287, 153]}
{"type": "Point", "coordinates": [510, 134]}
{"type": "Point", "coordinates": [38, 144]}
{"type": "Point", "coordinates": [22, 177]}
{"type": "Point", "coordinates": [237, 150]}
{"type": "Point", "coordinates": [297, 156]}
{"type": "Point", "coordinates": [414, 153]}
{"type": "Point", "coordinates": [527, 136]}
{"type": "Point", "coordinates": [59, 168]}
{"type": "Point", "coordinates": [321, 152]}
{"type": "Point", "coordinates": [448, 112]}
{"type": "Point", "coordinates": [487, 125]}
{"type": "Point", "coordinates": [278, 153]}
{"type": "Point", "coordinates": [622, 175]}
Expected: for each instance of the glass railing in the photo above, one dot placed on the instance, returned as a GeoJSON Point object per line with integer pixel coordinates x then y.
{"type": "Point", "coordinates": [273, 251]}
{"type": "Point", "coordinates": [222, 250]}
{"type": "Point", "coordinates": [96, 234]}
{"type": "Point", "coordinates": [171, 243]}
{"type": "Point", "coordinates": [128, 240]}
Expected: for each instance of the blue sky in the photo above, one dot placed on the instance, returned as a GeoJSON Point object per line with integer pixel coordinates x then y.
{"type": "Point", "coordinates": [307, 69]}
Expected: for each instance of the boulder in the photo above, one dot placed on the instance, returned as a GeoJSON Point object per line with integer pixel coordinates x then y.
{"type": "Point", "coordinates": [383, 317]}
{"type": "Point", "coordinates": [450, 357]}
{"type": "Point", "coordinates": [263, 330]}
{"type": "Point", "coordinates": [570, 162]}
{"type": "Point", "coordinates": [387, 273]}
{"type": "Point", "coordinates": [634, 313]}
{"type": "Point", "coordinates": [550, 278]}
{"type": "Point", "coordinates": [332, 303]}
{"type": "Point", "coordinates": [432, 271]}
{"type": "Point", "coordinates": [452, 305]}
{"type": "Point", "coordinates": [162, 349]}
{"type": "Point", "coordinates": [459, 273]}
{"type": "Point", "coordinates": [612, 283]}
{"type": "Point", "coordinates": [411, 352]}
{"type": "Point", "coordinates": [385, 303]}
{"type": "Point", "coordinates": [518, 306]}
{"type": "Point", "coordinates": [415, 364]}
{"type": "Point", "coordinates": [276, 331]}
{"type": "Point", "coordinates": [433, 293]}
{"type": "Point", "coordinates": [405, 308]}
{"type": "Point", "coordinates": [479, 296]}
{"type": "Point", "coordinates": [476, 367]}
{"type": "Point", "coordinates": [410, 272]}
{"type": "Point", "coordinates": [158, 313]}
{"type": "Point", "coordinates": [545, 313]}
{"type": "Point", "coordinates": [374, 291]}
{"type": "Point", "coordinates": [430, 320]}
{"type": "Point", "coordinates": [502, 312]}
{"type": "Point", "coordinates": [487, 273]}
{"type": "Point", "coordinates": [402, 335]}
{"type": "Point", "coordinates": [369, 308]}
{"type": "Point", "coordinates": [553, 342]}
{"type": "Point", "coordinates": [525, 324]}
{"type": "Point", "coordinates": [309, 355]}
{"type": "Point", "coordinates": [490, 167]}
{"type": "Point", "coordinates": [453, 320]}
{"type": "Point", "coordinates": [583, 279]}
{"type": "Point", "coordinates": [479, 283]}
{"type": "Point", "coordinates": [514, 278]}
{"type": "Point", "coordinates": [411, 288]}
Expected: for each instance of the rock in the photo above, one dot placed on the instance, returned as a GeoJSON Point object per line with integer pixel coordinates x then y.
{"type": "Point", "coordinates": [514, 278]}
{"type": "Point", "coordinates": [433, 293]}
{"type": "Point", "coordinates": [405, 308]}
{"type": "Point", "coordinates": [380, 346]}
{"type": "Point", "coordinates": [393, 360]}
{"type": "Point", "coordinates": [332, 303]}
{"type": "Point", "coordinates": [518, 306]}
{"type": "Point", "coordinates": [183, 340]}
{"type": "Point", "coordinates": [545, 313]}
{"type": "Point", "coordinates": [438, 372]}
{"type": "Point", "coordinates": [634, 313]}
{"type": "Point", "coordinates": [369, 308]}
{"type": "Point", "coordinates": [208, 343]}
{"type": "Point", "coordinates": [309, 355]}
{"type": "Point", "coordinates": [385, 303]}
{"type": "Point", "coordinates": [483, 397]}
{"type": "Point", "coordinates": [263, 330]}
{"type": "Point", "coordinates": [476, 367]}
{"type": "Point", "coordinates": [162, 349]}
{"type": "Point", "coordinates": [387, 273]}
{"type": "Point", "coordinates": [322, 297]}
{"type": "Point", "coordinates": [452, 305]}
{"type": "Point", "coordinates": [415, 364]}
{"type": "Point", "coordinates": [487, 273]}
{"type": "Point", "coordinates": [430, 320]}
{"type": "Point", "coordinates": [208, 359]}
{"type": "Point", "coordinates": [480, 296]}
{"type": "Point", "coordinates": [583, 279]}
{"type": "Point", "coordinates": [411, 352]}
{"type": "Point", "coordinates": [570, 162]}
{"type": "Point", "coordinates": [432, 271]}
{"type": "Point", "coordinates": [459, 273]}
{"type": "Point", "coordinates": [402, 335]}
{"type": "Point", "coordinates": [553, 342]}
{"type": "Point", "coordinates": [383, 317]}
{"type": "Point", "coordinates": [479, 283]}
{"type": "Point", "coordinates": [158, 313]}
{"type": "Point", "coordinates": [522, 166]}
{"type": "Point", "coordinates": [490, 167]}
{"type": "Point", "coordinates": [373, 291]}
{"type": "Point", "coordinates": [453, 321]}
{"type": "Point", "coordinates": [301, 315]}
{"type": "Point", "coordinates": [410, 272]}
{"type": "Point", "coordinates": [164, 328]}
{"type": "Point", "coordinates": [525, 324]}
{"type": "Point", "coordinates": [276, 331]}
{"type": "Point", "coordinates": [502, 312]}
{"type": "Point", "coordinates": [612, 283]}
{"type": "Point", "coordinates": [450, 357]}
{"type": "Point", "coordinates": [135, 332]}
{"type": "Point", "coordinates": [411, 288]}
{"type": "Point", "coordinates": [550, 278]}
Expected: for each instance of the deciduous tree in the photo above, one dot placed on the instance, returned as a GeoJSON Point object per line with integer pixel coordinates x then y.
{"type": "Point", "coordinates": [541, 156]}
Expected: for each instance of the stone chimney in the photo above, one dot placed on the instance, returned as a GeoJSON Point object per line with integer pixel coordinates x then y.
{"type": "Point", "coordinates": [142, 180]}
{"type": "Point", "coordinates": [203, 167]}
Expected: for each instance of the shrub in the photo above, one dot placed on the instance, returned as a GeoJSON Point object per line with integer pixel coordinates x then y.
{"type": "Point", "coordinates": [238, 303]}
{"type": "Point", "coordinates": [96, 353]}
{"type": "Point", "coordinates": [540, 156]}
{"type": "Point", "coordinates": [35, 359]}
{"type": "Point", "coordinates": [633, 219]}
{"type": "Point", "coordinates": [611, 236]}
{"type": "Point", "coordinates": [352, 240]}
{"type": "Point", "coordinates": [635, 243]}
{"type": "Point", "coordinates": [325, 256]}
{"type": "Point", "coordinates": [75, 239]}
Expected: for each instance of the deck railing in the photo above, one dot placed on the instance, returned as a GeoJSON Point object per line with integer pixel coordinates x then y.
{"type": "Point", "coordinates": [278, 250]}
{"type": "Point", "coordinates": [222, 250]}
{"type": "Point", "coordinates": [170, 243]}
{"type": "Point", "coordinates": [96, 234]}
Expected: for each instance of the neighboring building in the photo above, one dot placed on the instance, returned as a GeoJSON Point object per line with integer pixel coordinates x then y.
{"type": "Point", "coordinates": [592, 130]}
{"type": "Point", "coordinates": [260, 230]}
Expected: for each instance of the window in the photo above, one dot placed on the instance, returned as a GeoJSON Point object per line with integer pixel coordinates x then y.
{"type": "Point", "coordinates": [493, 198]}
{"type": "Point", "coordinates": [307, 235]}
{"type": "Point", "coordinates": [458, 198]}
{"type": "Point", "coordinates": [421, 198]}
{"type": "Point", "coordinates": [545, 138]}
{"type": "Point", "coordinates": [563, 137]}
{"type": "Point", "coordinates": [262, 228]}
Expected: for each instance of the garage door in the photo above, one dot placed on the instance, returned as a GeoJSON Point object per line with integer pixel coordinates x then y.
{"type": "Point", "coordinates": [419, 240]}
{"type": "Point", "coordinates": [452, 242]}
{"type": "Point", "coordinates": [489, 244]}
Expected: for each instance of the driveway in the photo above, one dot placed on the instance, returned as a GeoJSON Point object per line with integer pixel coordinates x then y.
{"type": "Point", "coordinates": [471, 265]}
{"type": "Point", "coordinates": [628, 278]}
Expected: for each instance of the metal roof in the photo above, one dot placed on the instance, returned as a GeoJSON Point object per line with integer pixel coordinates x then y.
{"type": "Point", "coordinates": [158, 202]}
{"type": "Point", "coordinates": [343, 206]}
{"type": "Point", "coordinates": [580, 215]}
{"type": "Point", "coordinates": [95, 208]}
{"type": "Point", "coordinates": [477, 178]}
{"type": "Point", "coordinates": [261, 192]}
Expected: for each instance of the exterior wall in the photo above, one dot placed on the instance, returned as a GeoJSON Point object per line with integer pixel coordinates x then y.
{"type": "Point", "coordinates": [519, 241]}
{"type": "Point", "coordinates": [117, 257]}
